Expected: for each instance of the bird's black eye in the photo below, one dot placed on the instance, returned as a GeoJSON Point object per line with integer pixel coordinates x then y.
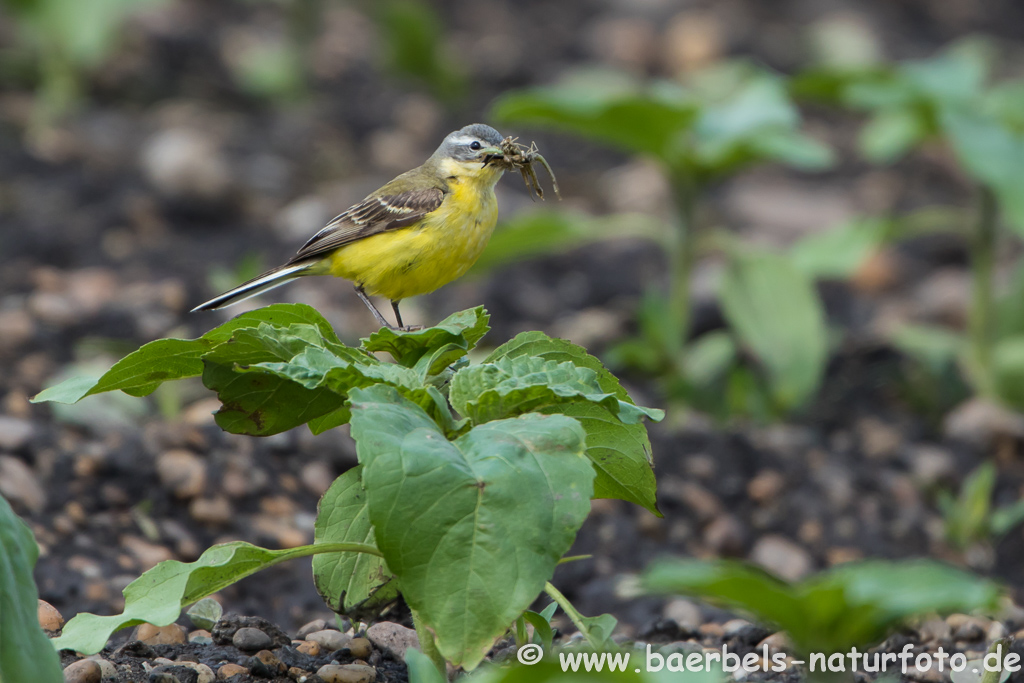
{"type": "Point", "coordinates": [475, 145]}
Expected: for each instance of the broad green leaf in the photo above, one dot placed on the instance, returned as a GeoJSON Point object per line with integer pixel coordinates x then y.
{"type": "Point", "coordinates": [854, 604]}
{"type": "Point", "coordinates": [25, 651]}
{"type": "Point", "coordinates": [776, 313]}
{"type": "Point", "coordinates": [470, 551]}
{"type": "Point", "coordinates": [598, 630]}
{"type": "Point", "coordinates": [431, 350]}
{"type": "Point", "coordinates": [158, 596]}
{"type": "Point", "coordinates": [620, 452]}
{"type": "Point", "coordinates": [993, 154]}
{"type": "Point", "coordinates": [609, 107]}
{"type": "Point", "coordinates": [838, 253]}
{"type": "Point", "coordinates": [891, 133]}
{"type": "Point", "coordinates": [141, 372]}
{"type": "Point", "coordinates": [935, 347]}
{"type": "Point", "coordinates": [1008, 370]}
{"type": "Point", "coordinates": [256, 400]}
{"type": "Point", "coordinates": [955, 76]}
{"type": "Point", "coordinates": [512, 386]}
{"type": "Point", "coordinates": [350, 583]}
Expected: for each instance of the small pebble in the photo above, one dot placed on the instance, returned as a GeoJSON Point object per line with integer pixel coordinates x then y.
{"type": "Point", "coordinates": [393, 638]}
{"type": "Point", "coordinates": [266, 664]}
{"type": "Point", "coordinates": [347, 673]}
{"type": "Point", "coordinates": [83, 671]}
{"type": "Point", "coordinates": [249, 639]}
{"type": "Point", "coordinates": [171, 634]}
{"type": "Point", "coordinates": [311, 627]}
{"type": "Point", "coordinates": [109, 671]}
{"type": "Point", "coordinates": [230, 671]}
{"type": "Point", "coordinates": [329, 639]}
{"type": "Point", "coordinates": [205, 673]}
{"type": "Point", "coordinates": [173, 673]}
{"type": "Point", "coordinates": [360, 648]}
{"type": "Point", "coordinates": [308, 647]}
{"type": "Point", "coordinates": [49, 618]}
{"type": "Point", "coordinates": [200, 637]}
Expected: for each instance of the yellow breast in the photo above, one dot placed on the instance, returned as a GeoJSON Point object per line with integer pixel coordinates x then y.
{"type": "Point", "coordinates": [440, 248]}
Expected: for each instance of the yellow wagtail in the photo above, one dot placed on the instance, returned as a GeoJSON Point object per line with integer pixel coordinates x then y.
{"type": "Point", "coordinates": [419, 232]}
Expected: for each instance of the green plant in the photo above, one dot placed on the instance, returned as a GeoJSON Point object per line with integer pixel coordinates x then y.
{"type": "Point", "coordinates": [472, 480]}
{"type": "Point", "coordinates": [725, 120]}
{"type": "Point", "coordinates": [948, 101]}
{"type": "Point", "coordinates": [25, 652]}
{"type": "Point", "coordinates": [69, 40]}
{"type": "Point", "coordinates": [412, 37]}
{"type": "Point", "coordinates": [971, 520]}
{"type": "Point", "coordinates": [852, 605]}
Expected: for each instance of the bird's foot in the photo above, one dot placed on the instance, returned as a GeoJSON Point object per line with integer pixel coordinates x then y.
{"type": "Point", "coordinates": [410, 328]}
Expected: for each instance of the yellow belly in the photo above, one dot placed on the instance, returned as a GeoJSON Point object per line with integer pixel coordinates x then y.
{"type": "Point", "coordinates": [419, 259]}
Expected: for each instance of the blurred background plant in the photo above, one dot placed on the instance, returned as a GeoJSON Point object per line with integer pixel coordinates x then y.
{"type": "Point", "coordinates": [723, 120]}
{"type": "Point", "coordinates": [948, 105]}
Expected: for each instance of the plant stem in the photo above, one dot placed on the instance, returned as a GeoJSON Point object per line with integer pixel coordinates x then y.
{"type": "Point", "coordinates": [427, 645]}
{"type": "Point", "coordinates": [982, 317]}
{"type": "Point", "coordinates": [574, 615]}
{"type": "Point", "coordinates": [682, 258]}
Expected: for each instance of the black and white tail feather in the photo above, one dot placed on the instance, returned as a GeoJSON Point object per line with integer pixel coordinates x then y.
{"type": "Point", "coordinates": [257, 285]}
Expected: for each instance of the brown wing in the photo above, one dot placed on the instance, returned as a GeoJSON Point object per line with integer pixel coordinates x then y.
{"type": "Point", "coordinates": [371, 216]}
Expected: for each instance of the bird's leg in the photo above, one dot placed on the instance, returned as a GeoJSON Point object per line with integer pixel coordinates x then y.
{"type": "Point", "coordinates": [373, 309]}
{"type": "Point", "coordinates": [398, 317]}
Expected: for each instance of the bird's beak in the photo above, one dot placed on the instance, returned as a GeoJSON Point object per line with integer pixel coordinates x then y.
{"type": "Point", "coordinates": [489, 154]}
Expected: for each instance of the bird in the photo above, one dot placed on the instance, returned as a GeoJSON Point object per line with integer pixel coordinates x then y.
{"type": "Point", "coordinates": [414, 235]}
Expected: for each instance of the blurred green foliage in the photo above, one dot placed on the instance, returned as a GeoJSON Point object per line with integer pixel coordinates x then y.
{"type": "Point", "coordinates": [972, 521]}
{"type": "Point", "coordinates": [413, 37]}
{"type": "Point", "coordinates": [949, 100]}
{"type": "Point", "coordinates": [69, 39]}
{"type": "Point", "coordinates": [723, 120]}
{"type": "Point", "coordinates": [852, 605]}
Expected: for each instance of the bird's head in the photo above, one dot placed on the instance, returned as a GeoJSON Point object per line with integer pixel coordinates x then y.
{"type": "Point", "coordinates": [474, 142]}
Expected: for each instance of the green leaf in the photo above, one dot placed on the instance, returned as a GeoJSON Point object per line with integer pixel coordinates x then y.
{"type": "Point", "coordinates": [935, 347]}
{"type": "Point", "coordinates": [141, 372]}
{"type": "Point", "coordinates": [158, 596]}
{"type": "Point", "coordinates": [854, 604]}
{"type": "Point", "coordinates": [967, 515]}
{"type": "Point", "coordinates": [708, 358]}
{"type": "Point", "coordinates": [542, 632]}
{"type": "Point", "coordinates": [469, 550]}
{"type": "Point", "coordinates": [838, 253]}
{"type": "Point", "coordinates": [620, 452]}
{"type": "Point", "coordinates": [205, 614]}
{"type": "Point", "coordinates": [891, 133]}
{"type": "Point", "coordinates": [1005, 518]}
{"type": "Point", "coordinates": [1008, 370]}
{"type": "Point", "coordinates": [991, 153]}
{"type": "Point", "coordinates": [513, 386]}
{"type": "Point", "coordinates": [609, 107]}
{"type": "Point", "coordinates": [255, 399]}
{"type": "Point", "coordinates": [25, 651]}
{"type": "Point", "coordinates": [430, 351]}
{"type": "Point", "coordinates": [421, 669]}
{"type": "Point", "coordinates": [776, 313]}
{"type": "Point", "coordinates": [412, 34]}
{"type": "Point", "coordinates": [350, 583]}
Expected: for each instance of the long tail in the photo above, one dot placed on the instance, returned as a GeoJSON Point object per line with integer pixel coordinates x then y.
{"type": "Point", "coordinates": [270, 279]}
